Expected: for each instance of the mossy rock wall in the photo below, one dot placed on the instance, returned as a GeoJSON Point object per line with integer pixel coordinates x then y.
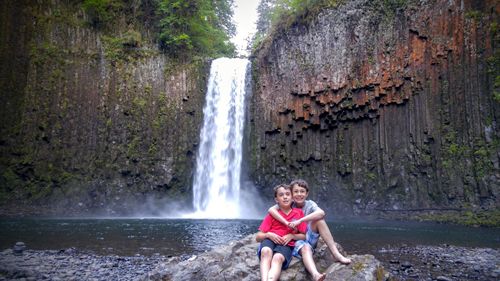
{"type": "Point", "coordinates": [92, 119]}
{"type": "Point", "coordinates": [384, 107]}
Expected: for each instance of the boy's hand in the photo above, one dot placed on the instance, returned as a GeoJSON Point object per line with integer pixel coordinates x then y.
{"type": "Point", "coordinates": [287, 238]}
{"type": "Point", "coordinates": [275, 238]}
{"type": "Point", "coordinates": [293, 224]}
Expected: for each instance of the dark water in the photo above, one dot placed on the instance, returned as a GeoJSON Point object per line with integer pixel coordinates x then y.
{"type": "Point", "coordinates": [189, 236]}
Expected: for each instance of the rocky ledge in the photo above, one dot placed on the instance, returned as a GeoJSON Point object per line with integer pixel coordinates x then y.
{"type": "Point", "coordinates": [238, 261]}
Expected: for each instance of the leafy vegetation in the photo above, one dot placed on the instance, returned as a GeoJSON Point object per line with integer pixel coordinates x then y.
{"type": "Point", "coordinates": [101, 12]}
{"type": "Point", "coordinates": [196, 27]}
{"type": "Point", "coordinates": [185, 28]}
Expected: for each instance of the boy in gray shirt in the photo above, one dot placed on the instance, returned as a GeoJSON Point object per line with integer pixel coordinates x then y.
{"type": "Point", "coordinates": [317, 227]}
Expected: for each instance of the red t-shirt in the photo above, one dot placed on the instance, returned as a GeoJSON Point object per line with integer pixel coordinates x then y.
{"type": "Point", "coordinates": [270, 224]}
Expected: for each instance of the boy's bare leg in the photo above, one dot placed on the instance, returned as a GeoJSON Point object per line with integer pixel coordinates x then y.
{"type": "Point", "coordinates": [266, 254]}
{"type": "Point", "coordinates": [276, 263]}
{"type": "Point", "coordinates": [307, 259]}
{"type": "Point", "coordinates": [321, 227]}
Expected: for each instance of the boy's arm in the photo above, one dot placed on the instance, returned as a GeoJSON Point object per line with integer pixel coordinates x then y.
{"type": "Point", "coordinates": [269, 235]}
{"type": "Point", "coordinates": [293, 236]}
{"type": "Point", "coordinates": [273, 211]}
{"type": "Point", "coordinates": [314, 216]}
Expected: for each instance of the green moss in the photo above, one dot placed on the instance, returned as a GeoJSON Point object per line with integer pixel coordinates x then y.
{"type": "Point", "coordinates": [489, 218]}
{"type": "Point", "coordinates": [124, 48]}
{"type": "Point", "coordinates": [474, 15]}
{"type": "Point", "coordinates": [153, 149]}
{"type": "Point", "coordinates": [482, 160]}
{"type": "Point", "coordinates": [380, 274]}
{"type": "Point", "coordinates": [139, 103]}
{"type": "Point", "coordinates": [357, 267]}
{"type": "Point", "coordinates": [133, 148]}
{"type": "Point", "coordinates": [496, 89]}
{"type": "Point", "coordinates": [372, 176]}
{"type": "Point", "coordinates": [131, 38]}
{"type": "Point", "coordinates": [46, 53]}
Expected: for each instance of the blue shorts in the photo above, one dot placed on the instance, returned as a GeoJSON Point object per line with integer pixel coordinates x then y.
{"type": "Point", "coordinates": [311, 240]}
{"type": "Point", "coordinates": [286, 251]}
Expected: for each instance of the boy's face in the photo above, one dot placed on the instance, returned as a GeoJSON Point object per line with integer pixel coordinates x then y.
{"type": "Point", "coordinates": [283, 197]}
{"type": "Point", "coordinates": [299, 194]}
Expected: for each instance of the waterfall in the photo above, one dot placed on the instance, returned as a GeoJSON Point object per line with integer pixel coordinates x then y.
{"type": "Point", "coordinates": [216, 189]}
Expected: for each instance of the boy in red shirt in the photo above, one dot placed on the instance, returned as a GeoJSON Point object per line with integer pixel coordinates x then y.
{"type": "Point", "coordinates": [278, 240]}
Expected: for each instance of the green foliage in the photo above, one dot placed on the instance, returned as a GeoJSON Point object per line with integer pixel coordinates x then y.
{"type": "Point", "coordinates": [186, 28]}
{"type": "Point", "coordinates": [131, 38]}
{"type": "Point", "coordinates": [190, 28]}
{"type": "Point", "coordinates": [101, 12]}
{"type": "Point", "coordinates": [496, 89]}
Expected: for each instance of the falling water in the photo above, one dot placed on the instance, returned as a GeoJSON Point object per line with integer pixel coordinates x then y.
{"type": "Point", "coordinates": [216, 190]}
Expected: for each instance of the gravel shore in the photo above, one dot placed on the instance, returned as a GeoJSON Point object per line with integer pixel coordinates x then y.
{"type": "Point", "coordinates": [441, 263]}
{"type": "Point", "coordinates": [71, 264]}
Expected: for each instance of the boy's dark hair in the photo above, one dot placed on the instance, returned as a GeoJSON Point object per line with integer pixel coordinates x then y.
{"type": "Point", "coordinates": [284, 185]}
{"type": "Point", "coordinates": [301, 183]}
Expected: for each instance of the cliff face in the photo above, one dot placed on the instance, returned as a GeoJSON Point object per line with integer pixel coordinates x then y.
{"type": "Point", "coordinates": [382, 107]}
{"type": "Point", "coordinates": [92, 119]}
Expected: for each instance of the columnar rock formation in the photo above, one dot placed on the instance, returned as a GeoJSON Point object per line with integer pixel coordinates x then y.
{"type": "Point", "coordinates": [93, 118]}
{"type": "Point", "coordinates": [382, 107]}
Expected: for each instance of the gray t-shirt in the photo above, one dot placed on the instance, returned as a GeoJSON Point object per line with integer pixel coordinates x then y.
{"type": "Point", "coordinates": [308, 208]}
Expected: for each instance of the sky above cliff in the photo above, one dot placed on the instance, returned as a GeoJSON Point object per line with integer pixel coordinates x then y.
{"type": "Point", "coordinates": [245, 16]}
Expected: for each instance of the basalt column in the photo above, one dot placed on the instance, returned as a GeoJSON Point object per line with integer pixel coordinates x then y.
{"type": "Point", "coordinates": [382, 108]}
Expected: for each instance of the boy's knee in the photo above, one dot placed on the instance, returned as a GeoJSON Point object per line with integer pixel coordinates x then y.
{"type": "Point", "coordinates": [316, 224]}
{"type": "Point", "coordinates": [278, 258]}
{"type": "Point", "coordinates": [306, 249]}
{"type": "Point", "coordinates": [266, 252]}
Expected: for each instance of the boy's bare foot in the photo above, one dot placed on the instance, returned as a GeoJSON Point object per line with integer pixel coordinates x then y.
{"type": "Point", "coordinates": [344, 260]}
{"type": "Point", "coordinates": [320, 277]}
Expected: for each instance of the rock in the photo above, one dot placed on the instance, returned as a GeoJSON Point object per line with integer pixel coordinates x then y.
{"type": "Point", "coordinates": [405, 265]}
{"type": "Point", "coordinates": [18, 248]}
{"type": "Point", "coordinates": [239, 261]}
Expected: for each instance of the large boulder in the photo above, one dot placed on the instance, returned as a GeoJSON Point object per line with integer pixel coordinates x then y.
{"type": "Point", "coordinates": [238, 261]}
